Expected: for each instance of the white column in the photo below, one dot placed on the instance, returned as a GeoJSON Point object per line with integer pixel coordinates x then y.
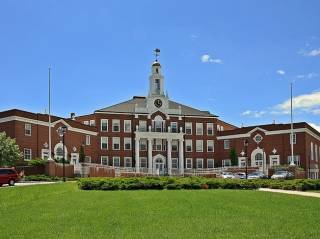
{"type": "Point", "coordinates": [169, 156]}
{"type": "Point", "coordinates": [137, 148]}
{"type": "Point", "coordinates": [181, 159]}
{"type": "Point", "coordinates": [150, 156]}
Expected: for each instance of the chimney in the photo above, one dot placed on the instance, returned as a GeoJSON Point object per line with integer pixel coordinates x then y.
{"type": "Point", "coordinates": [73, 116]}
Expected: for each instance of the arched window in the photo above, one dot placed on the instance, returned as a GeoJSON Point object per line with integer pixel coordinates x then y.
{"type": "Point", "coordinates": [258, 157]}
{"type": "Point", "coordinates": [59, 152]}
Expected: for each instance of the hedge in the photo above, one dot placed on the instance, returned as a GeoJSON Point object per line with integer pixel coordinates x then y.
{"type": "Point", "coordinates": [170, 183]}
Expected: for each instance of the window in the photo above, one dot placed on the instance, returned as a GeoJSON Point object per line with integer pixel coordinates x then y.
{"type": "Point", "coordinates": [158, 144]}
{"type": "Point", "coordinates": [210, 163]}
{"type": "Point", "coordinates": [142, 125]}
{"type": "Point", "coordinates": [104, 142]}
{"type": "Point", "coordinates": [188, 163]}
{"type": "Point", "coordinates": [199, 129]}
{"type": "Point", "coordinates": [87, 159]}
{"type": "Point", "coordinates": [116, 161]}
{"type": "Point", "coordinates": [115, 125]}
{"type": "Point", "coordinates": [86, 122]}
{"type": "Point", "coordinates": [88, 140]}
{"type": "Point", "coordinates": [188, 128]}
{"type": "Point", "coordinates": [259, 159]}
{"type": "Point", "coordinates": [316, 152]}
{"type": "Point", "coordinates": [188, 145]}
{"type": "Point", "coordinates": [226, 144]}
{"type": "Point", "coordinates": [27, 155]}
{"type": "Point", "coordinates": [116, 143]}
{"type": "Point", "coordinates": [127, 126]}
{"type": "Point", "coordinates": [209, 128]}
{"type": "Point", "coordinates": [218, 128]}
{"type": "Point", "coordinates": [293, 138]}
{"type": "Point", "coordinates": [199, 163]}
{"type": "Point", "coordinates": [174, 163]}
{"type": "Point", "coordinates": [296, 159]}
{"type": "Point", "coordinates": [92, 122]}
{"type": "Point", "coordinates": [199, 145]}
{"type": "Point", "coordinates": [158, 126]}
{"type": "Point", "coordinates": [311, 151]}
{"type": "Point", "coordinates": [157, 85]}
{"type": "Point", "coordinates": [175, 145]}
{"type": "Point", "coordinates": [127, 143]}
{"type": "Point", "coordinates": [257, 138]}
{"type": "Point", "coordinates": [104, 160]}
{"type": "Point", "coordinates": [226, 162]}
{"type": "Point", "coordinates": [104, 125]}
{"type": "Point", "coordinates": [27, 129]}
{"type": "Point", "coordinates": [274, 160]}
{"type": "Point", "coordinates": [210, 147]}
{"type": "Point", "coordinates": [128, 162]}
{"type": "Point", "coordinates": [174, 127]}
{"type": "Point", "coordinates": [143, 162]}
{"type": "Point", "coordinates": [143, 144]}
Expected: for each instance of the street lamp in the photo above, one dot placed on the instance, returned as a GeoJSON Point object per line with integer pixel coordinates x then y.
{"type": "Point", "coordinates": [61, 132]}
{"type": "Point", "coordinates": [246, 151]}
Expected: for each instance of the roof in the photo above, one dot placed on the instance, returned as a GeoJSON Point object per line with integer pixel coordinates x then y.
{"type": "Point", "coordinates": [141, 102]}
{"type": "Point", "coordinates": [268, 127]}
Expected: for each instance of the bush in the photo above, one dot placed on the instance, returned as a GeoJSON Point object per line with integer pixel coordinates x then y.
{"type": "Point", "coordinates": [37, 162]}
{"type": "Point", "coordinates": [41, 177]}
{"type": "Point", "coordinates": [173, 186]}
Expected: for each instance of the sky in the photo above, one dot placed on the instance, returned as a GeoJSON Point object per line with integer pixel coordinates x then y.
{"type": "Point", "coordinates": [233, 58]}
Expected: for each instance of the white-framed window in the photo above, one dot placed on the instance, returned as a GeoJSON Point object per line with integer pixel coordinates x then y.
{"type": "Point", "coordinates": [210, 146]}
{"type": "Point", "coordinates": [258, 159]}
{"type": "Point", "coordinates": [127, 126]}
{"type": "Point", "coordinates": [174, 163]}
{"type": "Point", "coordinates": [210, 129]}
{"type": "Point", "coordinates": [174, 145]}
{"type": "Point", "coordinates": [294, 138]}
{"type": "Point", "coordinates": [199, 145]}
{"type": "Point", "coordinates": [158, 144]}
{"type": "Point", "coordinates": [142, 125]}
{"type": "Point", "coordinates": [199, 163]}
{"type": "Point", "coordinates": [27, 154]}
{"type": "Point", "coordinates": [116, 143]}
{"type": "Point", "coordinates": [128, 162]}
{"type": "Point", "coordinates": [242, 161]}
{"type": "Point", "coordinates": [104, 125]}
{"type": "Point", "coordinates": [311, 151]}
{"type": "Point", "coordinates": [188, 129]}
{"type": "Point", "coordinates": [92, 122]}
{"type": "Point", "coordinates": [86, 122]}
{"type": "Point", "coordinates": [116, 161]}
{"type": "Point", "coordinates": [115, 125]}
{"type": "Point", "coordinates": [221, 128]}
{"type": "Point", "coordinates": [88, 140]}
{"type": "Point", "coordinates": [296, 159]}
{"type": "Point", "coordinates": [104, 142]}
{"type": "Point", "coordinates": [274, 160]}
{"type": "Point", "coordinates": [127, 143]}
{"type": "Point", "coordinates": [143, 162]}
{"type": "Point", "coordinates": [143, 144]}
{"type": "Point", "coordinates": [27, 129]}
{"type": "Point", "coordinates": [188, 163]}
{"type": "Point", "coordinates": [174, 127]}
{"type": "Point", "coordinates": [210, 163]}
{"type": "Point", "coordinates": [188, 145]}
{"type": "Point", "coordinates": [218, 127]}
{"type": "Point", "coordinates": [226, 162]}
{"type": "Point", "coordinates": [226, 144]}
{"type": "Point", "coordinates": [87, 159]}
{"type": "Point", "coordinates": [199, 128]}
{"type": "Point", "coordinates": [104, 160]}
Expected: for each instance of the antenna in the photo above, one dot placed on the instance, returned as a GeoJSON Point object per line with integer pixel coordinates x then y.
{"type": "Point", "coordinates": [156, 53]}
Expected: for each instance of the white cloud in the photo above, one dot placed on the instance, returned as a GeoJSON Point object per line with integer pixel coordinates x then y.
{"type": "Point", "coordinates": [206, 58]}
{"type": "Point", "coordinates": [307, 76]}
{"type": "Point", "coordinates": [254, 114]}
{"type": "Point", "coordinates": [193, 36]}
{"type": "Point", "coordinates": [314, 52]}
{"type": "Point", "coordinates": [281, 72]}
{"type": "Point", "coordinates": [316, 126]}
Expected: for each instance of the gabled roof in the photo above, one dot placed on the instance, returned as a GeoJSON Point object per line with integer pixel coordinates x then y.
{"type": "Point", "coordinates": [141, 102]}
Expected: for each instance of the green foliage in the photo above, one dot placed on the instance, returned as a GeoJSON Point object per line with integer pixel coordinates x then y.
{"type": "Point", "coordinates": [82, 156]}
{"type": "Point", "coordinates": [37, 162]}
{"type": "Point", "coordinates": [234, 157]}
{"type": "Point", "coordinates": [41, 177]}
{"type": "Point", "coordinates": [147, 183]}
{"type": "Point", "coordinates": [9, 151]}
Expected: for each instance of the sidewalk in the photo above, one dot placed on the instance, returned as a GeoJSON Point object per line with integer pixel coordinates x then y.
{"type": "Point", "coordinates": [292, 192]}
{"type": "Point", "coordinates": [28, 184]}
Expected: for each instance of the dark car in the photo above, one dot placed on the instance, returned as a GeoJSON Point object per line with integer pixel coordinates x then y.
{"type": "Point", "coordinates": [8, 176]}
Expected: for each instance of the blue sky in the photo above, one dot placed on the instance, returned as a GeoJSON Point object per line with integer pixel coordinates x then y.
{"type": "Point", "coordinates": [234, 58]}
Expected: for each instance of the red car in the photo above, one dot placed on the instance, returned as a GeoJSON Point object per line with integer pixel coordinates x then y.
{"type": "Point", "coordinates": [8, 176]}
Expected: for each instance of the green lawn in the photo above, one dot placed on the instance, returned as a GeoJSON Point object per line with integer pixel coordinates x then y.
{"type": "Point", "coordinates": [64, 211]}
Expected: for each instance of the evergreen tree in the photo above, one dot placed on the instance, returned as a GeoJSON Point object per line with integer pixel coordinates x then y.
{"type": "Point", "coordinates": [82, 156]}
{"type": "Point", "coordinates": [234, 157]}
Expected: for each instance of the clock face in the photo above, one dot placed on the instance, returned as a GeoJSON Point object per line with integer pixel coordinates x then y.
{"type": "Point", "coordinates": [158, 103]}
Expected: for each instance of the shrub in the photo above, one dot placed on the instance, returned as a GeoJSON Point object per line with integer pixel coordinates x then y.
{"type": "Point", "coordinates": [173, 186]}
{"type": "Point", "coordinates": [41, 177]}
{"type": "Point", "coordinates": [37, 162]}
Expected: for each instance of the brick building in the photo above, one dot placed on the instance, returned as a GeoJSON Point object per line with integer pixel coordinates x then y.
{"type": "Point", "coordinates": [156, 135]}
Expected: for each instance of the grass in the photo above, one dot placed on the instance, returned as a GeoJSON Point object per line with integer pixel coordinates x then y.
{"type": "Point", "coordinates": [63, 211]}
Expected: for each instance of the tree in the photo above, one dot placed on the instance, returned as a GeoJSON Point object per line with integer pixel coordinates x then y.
{"type": "Point", "coordinates": [234, 157]}
{"type": "Point", "coordinates": [82, 156]}
{"type": "Point", "coordinates": [9, 150]}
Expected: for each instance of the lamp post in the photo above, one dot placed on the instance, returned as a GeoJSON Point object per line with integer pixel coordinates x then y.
{"type": "Point", "coordinates": [61, 132]}
{"type": "Point", "coordinates": [246, 151]}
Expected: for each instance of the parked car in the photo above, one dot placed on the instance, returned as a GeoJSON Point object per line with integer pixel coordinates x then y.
{"type": "Point", "coordinates": [240, 175]}
{"type": "Point", "coordinates": [282, 175]}
{"type": "Point", "coordinates": [8, 176]}
{"type": "Point", "coordinates": [227, 175]}
{"type": "Point", "coordinates": [257, 175]}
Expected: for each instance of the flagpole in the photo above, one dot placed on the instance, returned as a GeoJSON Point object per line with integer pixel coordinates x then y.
{"type": "Point", "coordinates": [291, 135]}
{"type": "Point", "coordinates": [49, 158]}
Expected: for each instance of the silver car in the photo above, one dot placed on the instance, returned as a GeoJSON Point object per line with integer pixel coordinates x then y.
{"type": "Point", "coordinates": [282, 175]}
{"type": "Point", "coordinates": [227, 175]}
{"type": "Point", "coordinates": [256, 175]}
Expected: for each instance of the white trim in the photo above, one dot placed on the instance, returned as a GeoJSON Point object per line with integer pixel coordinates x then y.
{"type": "Point", "coordinates": [43, 123]}
{"type": "Point", "coordinates": [24, 158]}
{"type": "Point", "coordinates": [187, 163]}
{"type": "Point", "coordinates": [199, 160]}
{"type": "Point", "coordinates": [105, 157]}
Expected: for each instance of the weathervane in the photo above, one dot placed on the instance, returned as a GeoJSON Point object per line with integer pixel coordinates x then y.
{"type": "Point", "coordinates": [156, 53]}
